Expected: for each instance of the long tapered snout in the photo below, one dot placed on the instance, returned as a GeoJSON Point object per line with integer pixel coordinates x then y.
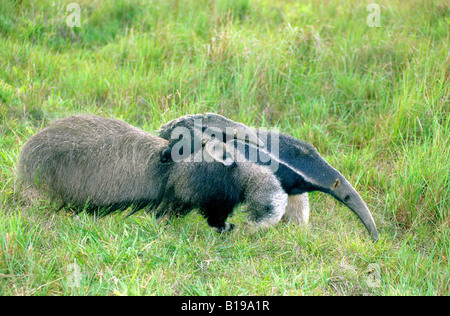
{"type": "Point", "coordinates": [343, 191]}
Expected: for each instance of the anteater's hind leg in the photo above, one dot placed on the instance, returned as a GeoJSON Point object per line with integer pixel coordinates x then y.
{"type": "Point", "coordinates": [216, 218]}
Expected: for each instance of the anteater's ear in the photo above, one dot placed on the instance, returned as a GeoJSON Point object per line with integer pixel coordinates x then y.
{"type": "Point", "coordinates": [220, 153]}
{"type": "Point", "coordinates": [336, 183]}
{"type": "Point", "coordinates": [166, 154]}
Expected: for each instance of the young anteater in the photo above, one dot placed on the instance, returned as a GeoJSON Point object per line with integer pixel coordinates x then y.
{"type": "Point", "coordinates": [104, 165]}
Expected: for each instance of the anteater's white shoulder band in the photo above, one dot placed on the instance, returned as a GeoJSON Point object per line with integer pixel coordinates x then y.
{"type": "Point", "coordinates": [297, 209]}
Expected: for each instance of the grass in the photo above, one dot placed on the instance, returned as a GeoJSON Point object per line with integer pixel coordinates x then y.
{"type": "Point", "coordinates": [374, 102]}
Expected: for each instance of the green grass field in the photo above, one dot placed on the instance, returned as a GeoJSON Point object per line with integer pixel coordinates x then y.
{"type": "Point", "coordinates": [374, 101]}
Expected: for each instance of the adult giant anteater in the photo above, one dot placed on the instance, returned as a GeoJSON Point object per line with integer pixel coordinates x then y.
{"type": "Point", "coordinates": [105, 165]}
{"type": "Point", "coordinates": [297, 165]}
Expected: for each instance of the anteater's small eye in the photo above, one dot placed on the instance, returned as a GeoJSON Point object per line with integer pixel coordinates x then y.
{"type": "Point", "coordinates": [347, 197]}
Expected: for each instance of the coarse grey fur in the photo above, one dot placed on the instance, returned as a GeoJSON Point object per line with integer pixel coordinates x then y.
{"type": "Point", "coordinates": [105, 165]}
{"type": "Point", "coordinates": [300, 169]}
{"type": "Point", "coordinates": [95, 163]}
